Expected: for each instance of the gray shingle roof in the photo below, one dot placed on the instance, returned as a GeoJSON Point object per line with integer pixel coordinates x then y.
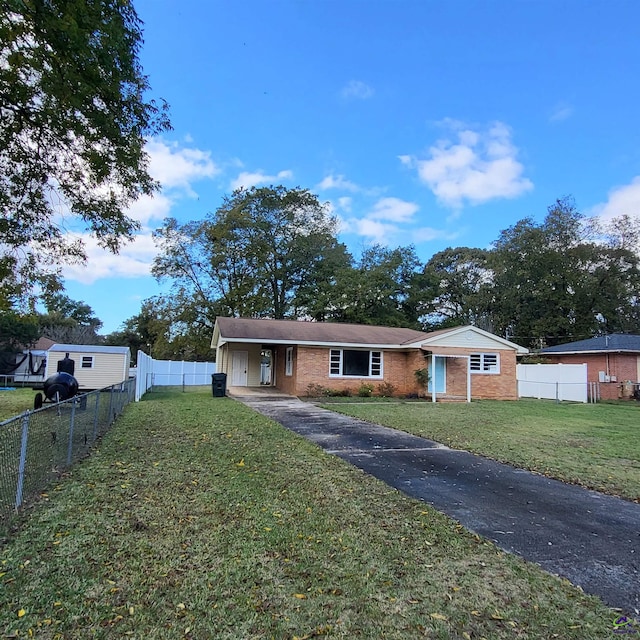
{"type": "Point", "coordinates": [610, 343]}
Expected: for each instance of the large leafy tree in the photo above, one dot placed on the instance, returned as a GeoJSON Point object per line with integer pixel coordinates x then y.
{"type": "Point", "coordinates": [74, 115]}
{"type": "Point", "coordinates": [17, 331]}
{"type": "Point", "coordinates": [553, 282]}
{"type": "Point", "coordinates": [260, 254]}
{"type": "Point", "coordinates": [167, 328]}
{"type": "Point", "coordinates": [379, 288]}
{"type": "Point", "coordinates": [69, 321]}
{"type": "Point", "coordinates": [455, 289]}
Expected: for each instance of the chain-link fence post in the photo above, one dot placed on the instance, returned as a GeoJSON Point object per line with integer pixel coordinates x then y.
{"type": "Point", "coordinates": [110, 414]}
{"type": "Point", "coordinates": [95, 417]}
{"type": "Point", "coordinates": [23, 458]}
{"type": "Point", "coordinates": [72, 421]}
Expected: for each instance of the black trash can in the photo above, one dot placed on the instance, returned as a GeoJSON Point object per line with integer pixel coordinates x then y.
{"type": "Point", "coordinates": [219, 385]}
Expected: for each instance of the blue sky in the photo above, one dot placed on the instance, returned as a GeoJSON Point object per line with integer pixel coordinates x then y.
{"type": "Point", "coordinates": [433, 123]}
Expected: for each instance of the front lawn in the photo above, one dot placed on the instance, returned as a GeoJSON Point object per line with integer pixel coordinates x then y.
{"type": "Point", "coordinates": [597, 446]}
{"type": "Point", "coordinates": [198, 518]}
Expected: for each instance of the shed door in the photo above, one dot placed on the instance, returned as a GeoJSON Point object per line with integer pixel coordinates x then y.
{"type": "Point", "coordinates": [440, 376]}
{"type": "Point", "coordinates": [239, 363]}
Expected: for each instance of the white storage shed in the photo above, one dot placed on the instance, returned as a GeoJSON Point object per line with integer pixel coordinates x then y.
{"type": "Point", "coordinates": [96, 366]}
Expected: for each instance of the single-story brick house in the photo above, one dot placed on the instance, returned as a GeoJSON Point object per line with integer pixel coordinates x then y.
{"type": "Point", "coordinates": [613, 361]}
{"type": "Point", "coordinates": [295, 356]}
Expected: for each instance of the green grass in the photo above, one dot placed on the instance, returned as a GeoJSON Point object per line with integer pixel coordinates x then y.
{"type": "Point", "coordinates": [16, 401]}
{"type": "Point", "coordinates": [597, 446]}
{"type": "Point", "coordinates": [198, 518]}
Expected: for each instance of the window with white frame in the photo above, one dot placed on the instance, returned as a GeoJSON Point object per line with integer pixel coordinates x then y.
{"type": "Point", "coordinates": [87, 362]}
{"type": "Point", "coordinates": [355, 363]}
{"type": "Point", "coordinates": [288, 362]}
{"type": "Point", "coordinates": [484, 363]}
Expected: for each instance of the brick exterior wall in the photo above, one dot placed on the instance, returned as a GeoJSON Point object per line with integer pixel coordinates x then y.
{"type": "Point", "coordinates": [484, 386]}
{"type": "Point", "coordinates": [624, 366]}
{"type": "Point", "coordinates": [311, 367]}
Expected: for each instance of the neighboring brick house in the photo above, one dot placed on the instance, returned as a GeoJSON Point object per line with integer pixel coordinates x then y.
{"type": "Point", "coordinates": [295, 356]}
{"type": "Point", "coordinates": [613, 361]}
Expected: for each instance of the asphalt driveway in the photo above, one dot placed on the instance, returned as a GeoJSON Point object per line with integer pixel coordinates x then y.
{"type": "Point", "coordinates": [590, 538]}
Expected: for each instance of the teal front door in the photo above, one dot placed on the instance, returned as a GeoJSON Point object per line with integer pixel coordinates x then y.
{"type": "Point", "coordinates": [440, 377]}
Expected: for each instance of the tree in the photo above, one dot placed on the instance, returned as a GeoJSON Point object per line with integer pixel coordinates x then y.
{"type": "Point", "coordinates": [17, 331]}
{"type": "Point", "coordinates": [455, 288]}
{"type": "Point", "coordinates": [379, 289]}
{"type": "Point", "coordinates": [553, 283]}
{"type": "Point", "coordinates": [73, 121]}
{"type": "Point", "coordinates": [167, 328]}
{"type": "Point", "coordinates": [69, 321]}
{"type": "Point", "coordinates": [259, 254]}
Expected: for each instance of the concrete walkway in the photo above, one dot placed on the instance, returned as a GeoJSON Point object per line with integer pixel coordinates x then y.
{"type": "Point", "coordinates": [590, 538]}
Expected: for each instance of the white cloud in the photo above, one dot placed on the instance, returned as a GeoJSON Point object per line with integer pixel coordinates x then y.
{"type": "Point", "coordinates": [246, 179]}
{"type": "Point", "coordinates": [357, 90]}
{"type": "Point", "coordinates": [393, 209]}
{"type": "Point", "coordinates": [385, 223]}
{"type": "Point", "coordinates": [345, 203]}
{"type": "Point", "coordinates": [148, 208]}
{"type": "Point", "coordinates": [622, 200]}
{"type": "Point", "coordinates": [338, 182]}
{"type": "Point", "coordinates": [177, 167]}
{"type": "Point", "coordinates": [561, 112]}
{"type": "Point", "coordinates": [378, 232]}
{"type": "Point", "coordinates": [477, 167]}
{"type": "Point", "coordinates": [133, 261]}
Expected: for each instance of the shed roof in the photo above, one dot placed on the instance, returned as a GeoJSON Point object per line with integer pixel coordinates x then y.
{"type": "Point", "coordinates": [87, 348]}
{"type": "Point", "coordinates": [611, 343]}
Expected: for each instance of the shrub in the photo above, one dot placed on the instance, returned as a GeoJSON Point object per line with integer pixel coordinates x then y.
{"type": "Point", "coordinates": [422, 378]}
{"type": "Point", "coordinates": [386, 390]}
{"type": "Point", "coordinates": [336, 393]}
{"type": "Point", "coordinates": [315, 390]}
{"type": "Point", "coordinates": [365, 390]}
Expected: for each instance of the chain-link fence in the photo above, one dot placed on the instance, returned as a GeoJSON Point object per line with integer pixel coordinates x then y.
{"type": "Point", "coordinates": [37, 446]}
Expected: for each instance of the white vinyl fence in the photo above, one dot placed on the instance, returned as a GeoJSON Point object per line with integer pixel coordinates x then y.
{"type": "Point", "coordinates": [553, 381]}
{"type": "Point", "coordinates": [170, 373]}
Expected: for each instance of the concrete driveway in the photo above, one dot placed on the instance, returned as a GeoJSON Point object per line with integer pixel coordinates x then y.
{"type": "Point", "coordinates": [590, 538]}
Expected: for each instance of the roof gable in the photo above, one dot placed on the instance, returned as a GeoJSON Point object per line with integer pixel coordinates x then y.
{"type": "Point", "coordinates": [470, 337]}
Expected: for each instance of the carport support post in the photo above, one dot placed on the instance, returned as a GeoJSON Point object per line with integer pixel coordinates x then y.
{"type": "Point", "coordinates": [23, 459]}
{"type": "Point", "coordinates": [468, 378]}
{"type": "Point", "coordinates": [433, 376]}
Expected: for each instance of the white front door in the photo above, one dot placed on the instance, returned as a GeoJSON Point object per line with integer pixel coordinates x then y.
{"type": "Point", "coordinates": [239, 364]}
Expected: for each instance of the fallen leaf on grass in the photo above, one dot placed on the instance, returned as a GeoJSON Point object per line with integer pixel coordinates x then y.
{"type": "Point", "coordinates": [438, 616]}
{"type": "Point", "coordinates": [300, 596]}
{"type": "Point", "coordinates": [21, 613]}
